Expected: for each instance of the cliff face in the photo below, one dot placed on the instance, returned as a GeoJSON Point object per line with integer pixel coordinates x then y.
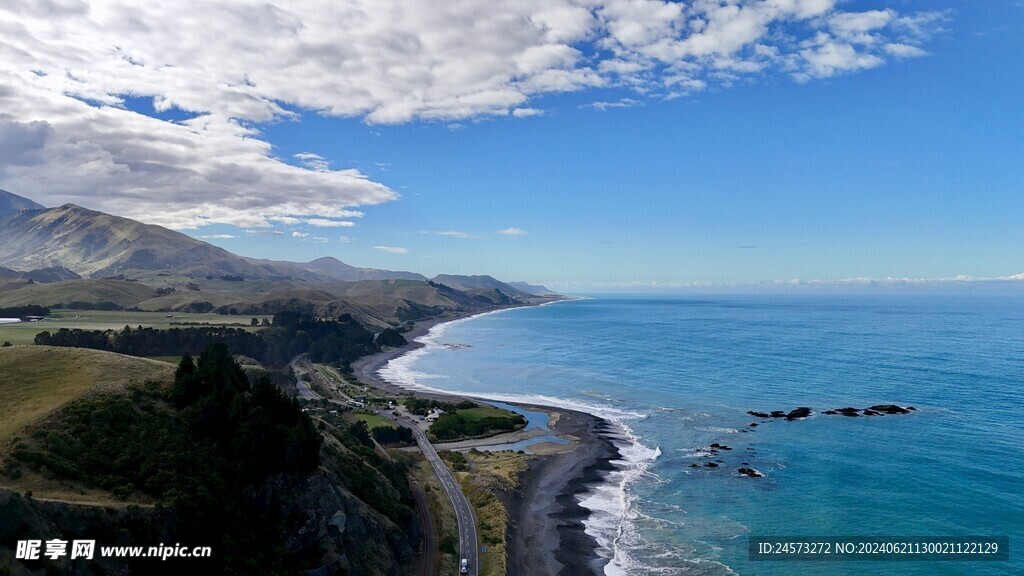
{"type": "Point", "coordinates": [335, 532]}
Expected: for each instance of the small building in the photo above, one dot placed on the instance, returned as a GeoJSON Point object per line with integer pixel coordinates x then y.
{"type": "Point", "coordinates": [434, 414]}
{"type": "Point", "coordinates": [356, 404]}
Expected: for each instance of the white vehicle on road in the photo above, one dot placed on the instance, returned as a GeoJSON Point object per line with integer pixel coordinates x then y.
{"type": "Point", "coordinates": [464, 567]}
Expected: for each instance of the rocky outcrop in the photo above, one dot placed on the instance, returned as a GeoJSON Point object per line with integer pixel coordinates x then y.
{"type": "Point", "coordinates": [750, 473]}
{"type": "Point", "coordinates": [804, 412]}
{"type": "Point", "coordinates": [797, 413]}
{"type": "Point", "coordinates": [891, 409]}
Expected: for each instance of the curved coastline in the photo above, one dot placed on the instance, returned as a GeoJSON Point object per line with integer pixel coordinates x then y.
{"type": "Point", "coordinates": [548, 530]}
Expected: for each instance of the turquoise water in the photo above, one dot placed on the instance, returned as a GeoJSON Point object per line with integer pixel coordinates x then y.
{"type": "Point", "coordinates": [680, 373]}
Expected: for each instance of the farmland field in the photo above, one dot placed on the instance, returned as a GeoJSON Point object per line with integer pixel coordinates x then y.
{"type": "Point", "coordinates": [25, 332]}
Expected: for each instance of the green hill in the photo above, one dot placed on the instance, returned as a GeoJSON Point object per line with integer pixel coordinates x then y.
{"type": "Point", "coordinates": [118, 292]}
{"type": "Point", "coordinates": [36, 380]}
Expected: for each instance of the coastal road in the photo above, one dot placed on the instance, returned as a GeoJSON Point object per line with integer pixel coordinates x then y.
{"type": "Point", "coordinates": [469, 547]}
{"type": "Point", "coordinates": [305, 392]}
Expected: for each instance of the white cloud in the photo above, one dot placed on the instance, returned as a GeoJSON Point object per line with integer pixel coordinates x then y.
{"type": "Point", "coordinates": [603, 106]}
{"type": "Point", "coordinates": [513, 232]}
{"type": "Point", "coordinates": [527, 112]}
{"type": "Point", "coordinates": [826, 56]}
{"type": "Point", "coordinates": [203, 171]}
{"type": "Point", "coordinates": [452, 233]}
{"type": "Point", "coordinates": [390, 61]}
{"type": "Point", "coordinates": [300, 234]}
{"type": "Point", "coordinates": [344, 239]}
{"type": "Point", "coordinates": [904, 50]}
{"type": "Point", "coordinates": [324, 223]}
{"type": "Point", "coordinates": [857, 24]}
{"type": "Point", "coordinates": [218, 237]}
{"type": "Point", "coordinates": [249, 62]}
{"type": "Point", "coordinates": [313, 161]}
{"type": "Point", "coordinates": [392, 249]}
{"type": "Point", "coordinates": [319, 239]}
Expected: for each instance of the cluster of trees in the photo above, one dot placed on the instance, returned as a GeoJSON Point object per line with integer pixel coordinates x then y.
{"type": "Point", "coordinates": [451, 425]}
{"type": "Point", "coordinates": [420, 406]}
{"type": "Point", "coordinates": [334, 340]}
{"type": "Point", "coordinates": [79, 305]}
{"type": "Point", "coordinates": [153, 342]}
{"type": "Point", "coordinates": [24, 311]}
{"type": "Point", "coordinates": [337, 340]}
{"type": "Point", "coordinates": [393, 436]}
{"type": "Point", "coordinates": [390, 338]}
{"type": "Point", "coordinates": [203, 450]}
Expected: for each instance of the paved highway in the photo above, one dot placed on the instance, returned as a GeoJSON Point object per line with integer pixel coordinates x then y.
{"type": "Point", "coordinates": [468, 544]}
{"type": "Point", "coordinates": [305, 392]}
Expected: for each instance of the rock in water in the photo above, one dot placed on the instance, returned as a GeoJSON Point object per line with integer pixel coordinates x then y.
{"type": "Point", "coordinates": [869, 412]}
{"type": "Point", "coordinates": [711, 465]}
{"type": "Point", "coordinates": [889, 409]}
{"type": "Point", "coordinates": [801, 412]}
{"type": "Point", "coordinates": [757, 414]}
{"type": "Point", "coordinates": [849, 411]}
{"type": "Point", "coordinates": [750, 473]}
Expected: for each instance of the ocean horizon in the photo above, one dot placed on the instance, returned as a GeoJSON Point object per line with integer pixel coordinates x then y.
{"type": "Point", "coordinates": [679, 373]}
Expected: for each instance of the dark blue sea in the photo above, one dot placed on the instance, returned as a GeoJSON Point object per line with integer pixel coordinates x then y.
{"type": "Point", "coordinates": [680, 373]}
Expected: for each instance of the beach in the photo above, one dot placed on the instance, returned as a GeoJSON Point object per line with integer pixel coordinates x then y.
{"type": "Point", "coordinates": [546, 534]}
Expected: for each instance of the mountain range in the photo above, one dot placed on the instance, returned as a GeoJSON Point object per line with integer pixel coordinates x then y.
{"type": "Point", "coordinates": [97, 245]}
{"type": "Point", "coordinates": [93, 257]}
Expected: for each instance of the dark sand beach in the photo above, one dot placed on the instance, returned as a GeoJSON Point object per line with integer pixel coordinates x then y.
{"type": "Point", "coordinates": [546, 533]}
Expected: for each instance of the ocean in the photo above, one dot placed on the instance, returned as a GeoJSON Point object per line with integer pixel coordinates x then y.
{"type": "Point", "coordinates": [679, 373]}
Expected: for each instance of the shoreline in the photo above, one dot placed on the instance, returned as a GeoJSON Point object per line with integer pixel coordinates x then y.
{"type": "Point", "coordinates": [546, 532]}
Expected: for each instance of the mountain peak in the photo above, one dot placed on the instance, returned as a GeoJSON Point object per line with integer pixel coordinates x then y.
{"type": "Point", "coordinates": [12, 203]}
{"type": "Point", "coordinates": [325, 261]}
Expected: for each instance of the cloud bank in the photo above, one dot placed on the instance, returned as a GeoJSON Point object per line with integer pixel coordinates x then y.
{"type": "Point", "coordinates": [1014, 282]}
{"type": "Point", "coordinates": [72, 71]}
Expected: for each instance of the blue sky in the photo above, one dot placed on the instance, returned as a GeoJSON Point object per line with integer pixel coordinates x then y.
{"type": "Point", "coordinates": [909, 167]}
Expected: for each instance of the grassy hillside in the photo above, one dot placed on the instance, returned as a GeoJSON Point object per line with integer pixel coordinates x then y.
{"type": "Point", "coordinates": [92, 291]}
{"type": "Point", "coordinates": [35, 380]}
